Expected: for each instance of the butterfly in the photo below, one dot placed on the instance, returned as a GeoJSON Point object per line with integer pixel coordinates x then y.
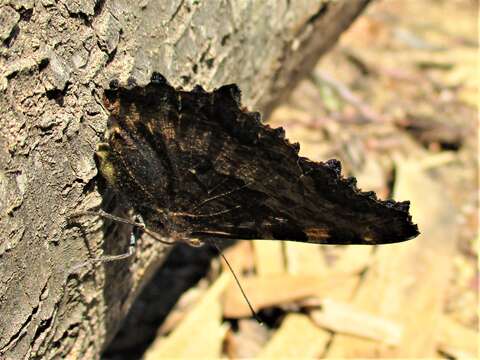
{"type": "Point", "coordinates": [196, 165]}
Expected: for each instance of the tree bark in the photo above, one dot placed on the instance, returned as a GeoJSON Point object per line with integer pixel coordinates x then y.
{"type": "Point", "coordinates": [56, 58]}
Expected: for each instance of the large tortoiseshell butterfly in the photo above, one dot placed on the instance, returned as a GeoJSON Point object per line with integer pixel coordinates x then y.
{"type": "Point", "coordinates": [195, 165]}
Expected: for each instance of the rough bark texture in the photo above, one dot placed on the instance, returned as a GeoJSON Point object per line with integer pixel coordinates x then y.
{"type": "Point", "coordinates": [56, 59]}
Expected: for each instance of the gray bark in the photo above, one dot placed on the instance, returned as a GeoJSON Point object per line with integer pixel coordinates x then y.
{"type": "Point", "coordinates": [56, 58]}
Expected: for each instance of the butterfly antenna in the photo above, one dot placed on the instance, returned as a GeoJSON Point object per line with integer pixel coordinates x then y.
{"type": "Point", "coordinates": [254, 314]}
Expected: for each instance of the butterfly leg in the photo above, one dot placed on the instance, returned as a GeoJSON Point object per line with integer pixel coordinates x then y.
{"type": "Point", "coordinates": [105, 215]}
{"type": "Point", "coordinates": [134, 236]}
{"type": "Point", "coordinates": [139, 227]}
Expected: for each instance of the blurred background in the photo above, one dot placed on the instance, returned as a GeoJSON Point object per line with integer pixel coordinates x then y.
{"type": "Point", "coordinates": [396, 103]}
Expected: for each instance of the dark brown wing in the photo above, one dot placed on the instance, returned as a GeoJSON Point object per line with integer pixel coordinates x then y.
{"type": "Point", "coordinates": [196, 163]}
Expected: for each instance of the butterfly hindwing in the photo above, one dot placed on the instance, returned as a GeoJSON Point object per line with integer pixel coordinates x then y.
{"type": "Point", "coordinates": [196, 163]}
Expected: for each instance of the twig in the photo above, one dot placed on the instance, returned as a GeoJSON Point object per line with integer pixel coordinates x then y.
{"type": "Point", "coordinates": [344, 92]}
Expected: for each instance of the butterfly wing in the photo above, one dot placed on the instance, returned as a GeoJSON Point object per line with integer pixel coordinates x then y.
{"type": "Point", "coordinates": [196, 163]}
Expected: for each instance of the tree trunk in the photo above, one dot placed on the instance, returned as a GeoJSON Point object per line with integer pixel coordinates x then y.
{"type": "Point", "coordinates": [56, 59]}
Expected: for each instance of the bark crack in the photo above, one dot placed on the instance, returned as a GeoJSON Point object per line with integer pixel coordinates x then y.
{"type": "Point", "coordinates": [21, 332]}
{"type": "Point", "coordinates": [177, 10]}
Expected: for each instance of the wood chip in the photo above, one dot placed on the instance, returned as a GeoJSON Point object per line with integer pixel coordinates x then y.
{"type": "Point", "coordinates": [247, 341]}
{"type": "Point", "coordinates": [344, 318]}
{"type": "Point", "coordinates": [407, 282]}
{"type": "Point", "coordinates": [181, 309]}
{"type": "Point", "coordinates": [269, 257]}
{"type": "Point", "coordinates": [200, 334]}
{"type": "Point", "coordinates": [240, 256]}
{"type": "Point", "coordinates": [305, 259]}
{"type": "Point", "coordinates": [353, 259]}
{"type": "Point", "coordinates": [267, 291]}
{"type": "Point", "coordinates": [297, 338]}
{"type": "Point", "coordinates": [457, 340]}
